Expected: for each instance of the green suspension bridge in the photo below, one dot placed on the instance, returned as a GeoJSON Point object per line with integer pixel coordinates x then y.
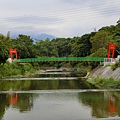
{"type": "Point", "coordinates": [63, 59]}
{"type": "Point", "coordinates": [60, 59]}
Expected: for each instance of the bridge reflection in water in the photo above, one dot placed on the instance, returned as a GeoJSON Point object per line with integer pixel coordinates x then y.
{"type": "Point", "coordinates": [98, 103]}
{"type": "Point", "coordinates": [13, 98]}
{"type": "Point", "coordinates": [50, 99]}
{"type": "Point", "coordinates": [111, 105]}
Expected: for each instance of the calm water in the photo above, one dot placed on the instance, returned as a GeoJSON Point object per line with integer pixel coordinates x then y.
{"type": "Point", "coordinates": [56, 100]}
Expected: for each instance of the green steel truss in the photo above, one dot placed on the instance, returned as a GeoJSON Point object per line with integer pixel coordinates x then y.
{"type": "Point", "coordinates": [29, 60]}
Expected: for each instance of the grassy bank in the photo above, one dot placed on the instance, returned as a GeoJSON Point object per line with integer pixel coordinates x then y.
{"type": "Point", "coordinates": [17, 70]}
{"type": "Point", "coordinates": [105, 83]}
{"type": "Point", "coordinates": [25, 70]}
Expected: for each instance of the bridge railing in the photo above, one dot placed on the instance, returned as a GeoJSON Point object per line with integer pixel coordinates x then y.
{"type": "Point", "coordinates": [60, 59]}
{"type": "Point", "coordinates": [109, 61]}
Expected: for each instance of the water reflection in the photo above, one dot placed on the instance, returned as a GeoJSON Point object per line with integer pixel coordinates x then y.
{"type": "Point", "coordinates": [112, 106]}
{"type": "Point", "coordinates": [51, 100]}
{"type": "Point", "coordinates": [43, 85]}
{"type": "Point", "coordinates": [13, 98]}
{"type": "Point", "coordinates": [103, 104]}
{"type": "Point", "coordinates": [73, 104]}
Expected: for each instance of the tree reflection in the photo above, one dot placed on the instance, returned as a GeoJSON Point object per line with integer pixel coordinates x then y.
{"type": "Point", "coordinates": [4, 104]}
{"type": "Point", "coordinates": [43, 85]}
{"type": "Point", "coordinates": [103, 104]}
{"type": "Point", "coordinates": [24, 102]}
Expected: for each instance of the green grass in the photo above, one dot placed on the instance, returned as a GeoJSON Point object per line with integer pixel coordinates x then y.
{"type": "Point", "coordinates": [105, 83]}
{"type": "Point", "coordinates": [14, 69]}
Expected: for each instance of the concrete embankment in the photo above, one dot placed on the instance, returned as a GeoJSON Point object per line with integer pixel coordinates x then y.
{"type": "Point", "coordinates": [105, 72]}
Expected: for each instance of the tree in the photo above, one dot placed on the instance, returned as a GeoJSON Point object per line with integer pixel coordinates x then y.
{"type": "Point", "coordinates": [101, 52]}
{"type": "Point", "coordinates": [100, 39]}
{"type": "Point", "coordinates": [81, 46]}
{"type": "Point", "coordinates": [47, 48]}
{"type": "Point", "coordinates": [24, 45]}
{"type": "Point", "coordinates": [62, 45]}
{"type": "Point", "coordinates": [4, 53]}
{"type": "Point", "coordinates": [5, 44]}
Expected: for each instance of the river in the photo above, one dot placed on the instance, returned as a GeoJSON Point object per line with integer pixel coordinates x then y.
{"type": "Point", "coordinates": [56, 100]}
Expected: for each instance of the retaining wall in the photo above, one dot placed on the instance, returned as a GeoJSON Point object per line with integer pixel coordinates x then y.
{"type": "Point", "coordinates": [105, 72]}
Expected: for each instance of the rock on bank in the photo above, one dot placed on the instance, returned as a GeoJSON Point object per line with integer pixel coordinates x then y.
{"type": "Point", "coordinates": [105, 72]}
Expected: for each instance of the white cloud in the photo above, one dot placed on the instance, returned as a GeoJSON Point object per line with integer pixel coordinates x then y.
{"type": "Point", "coordinates": [61, 18]}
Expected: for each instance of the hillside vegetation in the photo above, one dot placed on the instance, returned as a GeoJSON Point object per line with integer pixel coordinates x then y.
{"type": "Point", "coordinates": [93, 44]}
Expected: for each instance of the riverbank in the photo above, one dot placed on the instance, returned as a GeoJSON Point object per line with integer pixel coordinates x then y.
{"type": "Point", "coordinates": [101, 76]}
{"type": "Point", "coordinates": [105, 77]}
{"type": "Point", "coordinates": [103, 83]}
{"type": "Point", "coordinates": [17, 70]}
{"type": "Point", "coordinates": [106, 72]}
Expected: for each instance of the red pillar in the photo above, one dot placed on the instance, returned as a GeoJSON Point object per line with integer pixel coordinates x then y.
{"type": "Point", "coordinates": [13, 98]}
{"type": "Point", "coordinates": [112, 48]}
{"type": "Point", "coordinates": [111, 106]}
{"type": "Point", "coordinates": [13, 51]}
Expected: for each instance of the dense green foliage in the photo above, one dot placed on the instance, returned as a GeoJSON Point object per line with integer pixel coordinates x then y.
{"type": "Point", "coordinates": [93, 44]}
{"type": "Point", "coordinates": [16, 70]}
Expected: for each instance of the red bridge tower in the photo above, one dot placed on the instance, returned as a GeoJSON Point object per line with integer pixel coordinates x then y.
{"type": "Point", "coordinates": [13, 51]}
{"type": "Point", "coordinates": [111, 47]}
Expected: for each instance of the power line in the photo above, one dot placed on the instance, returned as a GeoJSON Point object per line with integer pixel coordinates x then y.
{"type": "Point", "coordinates": [67, 15]}
{"type": "Point", "coordinates": [77, 9]}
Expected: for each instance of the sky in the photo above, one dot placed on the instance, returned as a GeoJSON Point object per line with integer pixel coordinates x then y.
{"type": "Point", "coordinates": [60, 18]}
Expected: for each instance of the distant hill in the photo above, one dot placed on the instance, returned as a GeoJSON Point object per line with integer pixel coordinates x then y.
{"type": "Point", "coordinates": [44, 36]}
{"type": "Point", "coordinates": [38, 36]}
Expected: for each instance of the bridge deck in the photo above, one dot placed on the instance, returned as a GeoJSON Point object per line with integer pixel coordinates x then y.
{"type": "Point", "coordinates": [60, 59]}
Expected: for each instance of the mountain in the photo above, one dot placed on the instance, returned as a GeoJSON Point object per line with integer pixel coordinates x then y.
{"type": "Point", "coordinates": [44, 36]}
{"type": "Point", "coordinates": [38, 36]}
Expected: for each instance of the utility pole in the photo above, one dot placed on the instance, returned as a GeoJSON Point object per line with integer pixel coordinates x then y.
{"type": "Point", "coordinates": [118, 21]}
